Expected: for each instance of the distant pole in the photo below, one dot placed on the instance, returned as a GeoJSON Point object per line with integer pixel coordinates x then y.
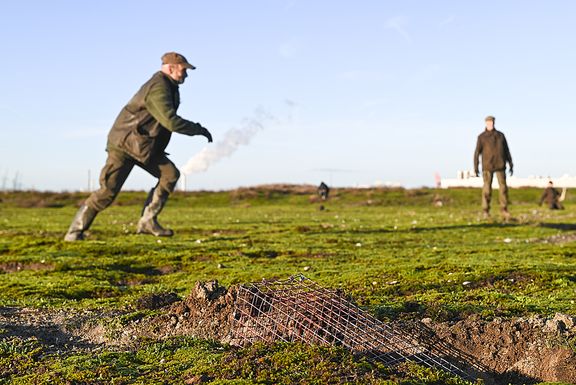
{"type": "Point", "coordinates": [89, 181]}
{"type": "Point", "coordinates": [15, 181]}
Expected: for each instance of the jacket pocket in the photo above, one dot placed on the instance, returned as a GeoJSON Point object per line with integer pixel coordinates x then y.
{"type": "Point", "coordinates": [138, 145]}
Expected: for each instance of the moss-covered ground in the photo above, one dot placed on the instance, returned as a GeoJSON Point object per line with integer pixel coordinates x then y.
{"type": "Point", "coordinates": [398, 253]}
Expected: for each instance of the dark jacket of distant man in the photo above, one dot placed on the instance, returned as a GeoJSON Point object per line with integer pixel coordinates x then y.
{"type": "Point", "coordinates": [552, 198]}
{"type": "Point", "coordinates": [494, 149]}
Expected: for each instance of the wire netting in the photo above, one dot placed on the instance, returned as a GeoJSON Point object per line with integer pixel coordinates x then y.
{"type": "Point", "coordinates": [298, 309]}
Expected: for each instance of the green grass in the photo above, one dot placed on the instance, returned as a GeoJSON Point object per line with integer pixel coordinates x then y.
{"type": "Point", "coordinates": [397, 254]}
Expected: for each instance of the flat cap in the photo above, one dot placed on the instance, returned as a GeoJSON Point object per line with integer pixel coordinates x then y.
{"type": "Point", "coordinates": [176, 58]}
{"type": "Point", "coordinates": [490, 117]}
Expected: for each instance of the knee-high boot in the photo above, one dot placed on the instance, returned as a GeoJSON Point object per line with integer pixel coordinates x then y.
{"type": "Point", "coordinates": [148, 223]}
{"type": "Point", "coordinates": [81, 222]}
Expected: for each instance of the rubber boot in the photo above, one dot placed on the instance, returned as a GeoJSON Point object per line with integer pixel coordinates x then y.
{"type": "Point", "coordinates": [81, 222]}
{"type": "Point", "coordinates": [148, 223]}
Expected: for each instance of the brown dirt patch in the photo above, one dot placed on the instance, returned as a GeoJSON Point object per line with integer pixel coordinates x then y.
{"type": "Point", "coordinates": [14, 267]}
{"type": "Point", "coordinates": [520, 350]}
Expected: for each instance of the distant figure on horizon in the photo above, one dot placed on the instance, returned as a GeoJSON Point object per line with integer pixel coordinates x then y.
{"type": "Point", "coordinates": [139, 137]}
{"type": "Point", "coordinates": [323, 191]}
{"type": "Point", "coordinates": [493, 148]}
{"type": "Point", "coordinates": [553, 197]}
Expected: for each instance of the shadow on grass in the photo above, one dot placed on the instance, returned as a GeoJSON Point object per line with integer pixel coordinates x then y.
{"type": "Point", "coordinates": [418, 229]}
{"type": "Point", "coordinates": [459, 227]}
{"type": "Point", "coordinates": [559, 226]}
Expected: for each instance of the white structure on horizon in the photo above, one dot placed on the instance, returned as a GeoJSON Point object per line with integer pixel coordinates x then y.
{"type": "Point", "coordinates": [468, 179]}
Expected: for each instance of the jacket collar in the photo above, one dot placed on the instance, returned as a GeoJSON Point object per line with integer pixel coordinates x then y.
{"type": "Point", "coordinates": [172, 81]}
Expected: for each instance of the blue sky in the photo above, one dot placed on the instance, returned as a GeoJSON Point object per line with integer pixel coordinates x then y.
{"type": "Point", "coordinates": [360, 92]}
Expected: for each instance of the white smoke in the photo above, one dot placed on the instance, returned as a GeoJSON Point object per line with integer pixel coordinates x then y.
{"type": "Point", "coordinates": [233, 139]}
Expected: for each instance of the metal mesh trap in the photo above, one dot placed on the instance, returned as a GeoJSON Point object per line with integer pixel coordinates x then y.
{"type": "Point", "coordinates": [298, 309]}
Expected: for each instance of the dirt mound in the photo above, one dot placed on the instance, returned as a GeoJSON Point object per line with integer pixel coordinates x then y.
{"type": "Point", "coordinates": [156, 301]}
{"type": "Point", "coordinates": [205, 313]}
{"type": "Point", "coordinates": [520, 350]}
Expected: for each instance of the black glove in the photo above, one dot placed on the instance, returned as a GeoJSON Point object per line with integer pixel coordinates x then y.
{"type": "Point", "coordinates": [511, 171]}
{"type": "Point", "coordinates": [207, 134]}
{"type": "Point", "coordinates": [477, 173]}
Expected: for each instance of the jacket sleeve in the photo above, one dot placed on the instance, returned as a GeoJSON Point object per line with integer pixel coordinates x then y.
{"type": "Point", "coordinates": [477, 154]}
{"type": "Point", "coordinates": [160, 105]}
{"type": "Point", "coordinates": [543, 197]}
{"type": "Point", "coordinates": [507, 153]}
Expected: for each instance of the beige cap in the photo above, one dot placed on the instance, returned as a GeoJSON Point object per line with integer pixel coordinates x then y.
{"type": "Point", "coordinates": [176, 58]}
{"type": "Point", "coordinates": [490, 117]}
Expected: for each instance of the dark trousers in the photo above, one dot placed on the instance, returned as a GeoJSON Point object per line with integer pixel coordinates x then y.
{"type": "Point", "coordinates": [116, 170]}
{"type": "Point", "coordinates": [488, 176]}
{"type": "Point", "coordinates": [555, 205]}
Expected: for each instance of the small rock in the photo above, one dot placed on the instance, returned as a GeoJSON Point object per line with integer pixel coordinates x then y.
{"type": "Point", "coordinates": [567, 321]}
{"type": "Point", "coordinates": [553, 326]}
{"type": "Point", "coordinates": [209, 290]}
{"type": "Point", "coordinates": [197, 379]}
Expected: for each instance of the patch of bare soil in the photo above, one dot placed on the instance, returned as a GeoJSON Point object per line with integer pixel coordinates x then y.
{"type": "Point", "coordinates": [567, 235]}
{"type": "Point", "coordinates": [207, 313]}
{"type": "Point", "coordinates": [520, 350]}
{"type": "Point", "coordinates": [13, 267]}
{"type": "Point", "coordinates": [557, 239]}
{"type": "Point", "coordinates": [501, 351]}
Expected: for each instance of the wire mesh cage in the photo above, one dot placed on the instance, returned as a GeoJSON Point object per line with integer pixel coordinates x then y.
{"type": "Point", "coordinates": [299, 310]}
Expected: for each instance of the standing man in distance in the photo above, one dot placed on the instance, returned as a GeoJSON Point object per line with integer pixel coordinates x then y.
{"type": "Point", "coordinates": [139, 137]}
{"type": "Point", "coordinates": [493, 148]}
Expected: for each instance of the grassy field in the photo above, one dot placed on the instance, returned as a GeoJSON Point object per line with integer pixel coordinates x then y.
{"type": "Point", "coordinates": [397, 253]}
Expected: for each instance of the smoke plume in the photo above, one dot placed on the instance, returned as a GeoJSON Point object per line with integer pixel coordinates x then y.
{"type": "Point", "coordinates": [233, 139]}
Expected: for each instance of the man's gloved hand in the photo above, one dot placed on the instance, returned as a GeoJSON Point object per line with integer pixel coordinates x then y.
{"type": "Point", "coordinates": [477, 173]}
{"type": "Point", "coordinates": [511, 171]}
{"type": "Point", "coordinates": [207, 134]}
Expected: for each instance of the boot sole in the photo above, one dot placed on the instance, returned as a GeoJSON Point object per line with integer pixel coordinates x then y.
{"type": "Point", "coordinates": [141, 231]}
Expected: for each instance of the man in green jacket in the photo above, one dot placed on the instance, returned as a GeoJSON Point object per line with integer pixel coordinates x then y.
{"type": "Point", "coordinates": [139, 137]}
{"type": "Point", "coordinates": [493, 148]}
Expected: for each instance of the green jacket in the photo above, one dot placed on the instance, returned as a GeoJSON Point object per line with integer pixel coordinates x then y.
{"type": "Point", "coordinates": [144, 126]}
{"type": "Point", "coordinates": [550, 196]}
{"type": "Point", "coordinates": [494, 149]}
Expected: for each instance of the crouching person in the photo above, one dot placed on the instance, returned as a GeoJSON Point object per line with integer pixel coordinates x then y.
{"type": "Point", "coordinates": [552, 197]}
